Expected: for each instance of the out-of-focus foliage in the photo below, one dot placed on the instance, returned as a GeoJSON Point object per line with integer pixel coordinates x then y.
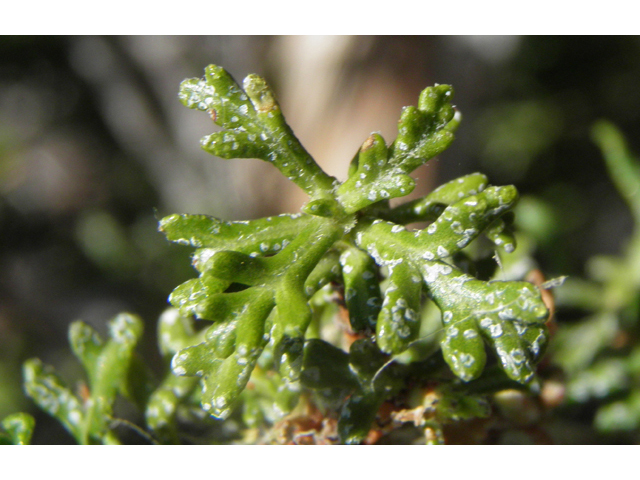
{"type": "Point", "coordinates": [111, 368]}
{"type": "Point", "coordinates": [600, 354]}
{"type": "Point", "coordinates": [16, 429]}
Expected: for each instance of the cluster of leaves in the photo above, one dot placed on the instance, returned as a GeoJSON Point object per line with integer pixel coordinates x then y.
{"type": "Point", "coordinates": [422, 308]}
{"type": "Point", "coordinates": [111, 368]}
{"type": "Point", "coordinates": [258, 278]}
{"type": "Point", "coordinates": [600, 354]}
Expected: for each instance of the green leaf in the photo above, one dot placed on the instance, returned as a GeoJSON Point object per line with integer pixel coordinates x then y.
{"type": "Point", "coordinates": [175, 332]}
{"type": "Point", "coordinates": [197, 296]}
{"type": "Point", "coordinates": [19, 429]}
{"type": "Point", "coordinates": [373, 180]}
{"type": "Point", "coordinates": [265, 236]}
{"type": "Point", "coordinates": [356, 418]}
{"type": "Point", "coordinates": [623, 415]}
{"type": "Point", "coordinates": [399, 321]}
{"type": "Point", "coordinates": [604, 378]}
{"type": "Point", "coordinates": [427, 130]}
{"type": "Point", "coordinates": [365, 372]}
{"type": "Point", "coordinates": [380, 173]}
{"type": "Point", "coordinates": [50, 393]}
{"type": "Point", "coordinates": [624, 170]}
{"type": "Point", "coordinates": [361, 288]}
{"type": "Point", "coordinates": [226, 371]}
{"type": "Point", "coordinates": [577, 345]}
{"type": "Point", "coordinates": [107, 365]}
{"type": "Point", "coordinates": [431, 206]}
{"type": "Point", "coordinates": [509, 316]}
{"type": "Point", "coordinates": [253, 127]}
{"type": "Point", "coordinates": [233, 344]}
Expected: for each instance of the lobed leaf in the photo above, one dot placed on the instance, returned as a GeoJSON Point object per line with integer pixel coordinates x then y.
{"type": "Point", "coordinates": [509, 316]}
{"type": "Point", "coordinates": [256, 277]}
{"type": "Point", "coordinates": [254, 127]}
{"type": "Point", "coordinates": [373, 180]}
{"type": "Point", "coordinates": [431, 206]}
{"type": "Point", "coordinates": [107, 365]}
{"type": "Point", "coordinates": [50, 393]}
{"type": "Point", "coordinates": [399, 320]}
{"type": "Point", "coordinates": [425, 131]}
{"type": "Point", "coordinates": [264, 236]}
{"type": "Point", "coordinates": [228, 355]}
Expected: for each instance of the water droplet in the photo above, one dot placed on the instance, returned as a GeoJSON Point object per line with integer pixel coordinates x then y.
{"type": "Point", "coordinates": [469, 334]}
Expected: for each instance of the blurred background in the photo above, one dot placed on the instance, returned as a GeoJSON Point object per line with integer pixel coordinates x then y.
{"type": "Point", "coordinates": [95, 147]}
